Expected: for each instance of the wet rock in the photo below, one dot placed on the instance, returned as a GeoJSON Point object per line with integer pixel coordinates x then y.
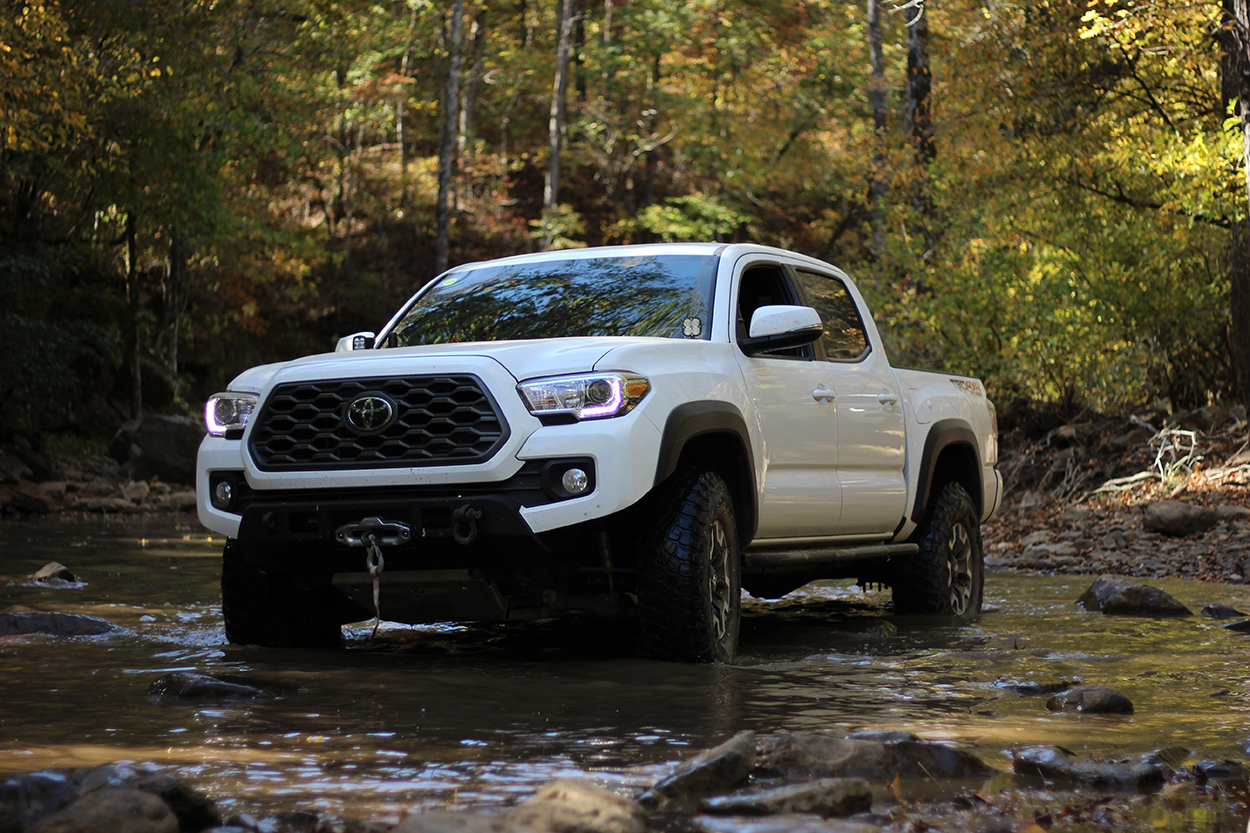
{"type": "Point", "coordinates": [1177, 518]}
{"type": "Point", "coordinates": [8, 820]}
{"type": "Point", "coordinates": [572, 806]}
{"type": "Point", "coordinates": [1225, 772]}
{"type": "Point", "coordinates": [443, 821]}
{"type": "Point", "coordinates": [716, 770]}
{"type": "Point", "coordinates": [112, 811]}
{"type": "Point", "coordinates": [54, 624]}
{"type": "Point", "coordinates": [191, 684]}
{"type": "Point", "coordinates": [1028, 688]}
{"type": "Point", "coordinates": [814, 755]}
{"type": "Point", "coordinates": [33, 795]}
{"type": "Point", "coordinates": [826, 797]}
{"type": "Point", "coordinates": [1221, 612]}
{"type": "Point", "coordinates": [1173, 756]}
{"type": "Point", "coordinates": [1090, 699]}
{"type": "Point", "coordinates": [193, 809]}
{"type": "Point", "coordinates": [1059, 765]}
{"type": "Point", "coordinates": [1240, 627]}
{"type": "Point", "coordinates": [54, 572]}
{"type": "Point", "coordinates": [1118, 596]}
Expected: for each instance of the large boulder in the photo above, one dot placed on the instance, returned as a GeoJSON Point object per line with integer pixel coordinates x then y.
{"type": "Point", "coordinates": [163, 447]}
{"type": "Point", "coordinates": [1119, 596]}
{"type": "Point", "coordinates": [1174, 517]}
{"type": "Point", "coordinates": [714, 771]}
{"type": "Point", "coordinates": [113, 810]}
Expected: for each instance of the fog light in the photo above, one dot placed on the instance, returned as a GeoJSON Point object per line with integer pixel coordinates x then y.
{"type": "Point", "coordinates": [223, 493]}
{"type": "Point", "coordinates": [575, 481]}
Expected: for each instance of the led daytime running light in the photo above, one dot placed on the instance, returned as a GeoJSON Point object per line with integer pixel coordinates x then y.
{"type": "Point", "coordinates": [228, 410]}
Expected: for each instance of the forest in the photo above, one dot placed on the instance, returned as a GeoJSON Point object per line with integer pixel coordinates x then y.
{"type": "Point", "coordinates": [1050, 195]}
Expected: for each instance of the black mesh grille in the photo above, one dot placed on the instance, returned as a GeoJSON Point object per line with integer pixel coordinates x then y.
{"type": "Point", "coordinates": [437, 420]}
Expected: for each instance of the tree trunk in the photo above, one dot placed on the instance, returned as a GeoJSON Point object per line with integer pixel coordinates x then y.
{"type": "Point", "coordinates": [472, 86]}
{"type": "Point", "coordinates": [1235, 39]}
{"type": "Point", "coordinates": [876, 95]}
{"type": "Point", "coordinates": [447, 146]}
{"type": "Point", "coordinates": [558, 112]}
{"type": "Point", "coordinates": [919, 84]}
{"type": "Point", "coordinates": [134, 304]}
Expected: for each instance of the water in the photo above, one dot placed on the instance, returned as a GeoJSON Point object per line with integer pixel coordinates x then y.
{"type": "Point", "coordinates": [478, 716]}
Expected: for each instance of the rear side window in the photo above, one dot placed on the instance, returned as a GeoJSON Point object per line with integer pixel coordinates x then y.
{"type": "Point", "coordinates": [845, 338]}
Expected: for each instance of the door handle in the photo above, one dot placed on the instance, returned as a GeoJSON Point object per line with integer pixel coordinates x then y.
{"type": "Point", "coordinates": [822, 393]}
{"type": "Point", "coordinates": [886, 398]}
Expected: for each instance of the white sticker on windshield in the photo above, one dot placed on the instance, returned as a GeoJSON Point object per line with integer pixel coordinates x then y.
{"type": "Point", "coordinates": [692, 328]}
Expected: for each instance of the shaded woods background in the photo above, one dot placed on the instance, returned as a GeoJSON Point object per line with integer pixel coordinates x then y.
{"type": "Point", "coordinates": [1047, 194]}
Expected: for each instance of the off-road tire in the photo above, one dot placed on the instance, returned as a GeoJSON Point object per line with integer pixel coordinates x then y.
{"type": "Point", "coordinates": [947, 576]}
{"type": "Point", "coordinates": [690, 572]}
{"type": "Point", "coordinates": [275, 609]}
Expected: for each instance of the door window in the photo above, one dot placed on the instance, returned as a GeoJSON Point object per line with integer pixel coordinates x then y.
{"type": "Point", "coordinates": [844, 338]}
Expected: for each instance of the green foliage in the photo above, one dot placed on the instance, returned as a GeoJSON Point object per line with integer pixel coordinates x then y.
{"type": "Point", "coordinates": [274, 168]}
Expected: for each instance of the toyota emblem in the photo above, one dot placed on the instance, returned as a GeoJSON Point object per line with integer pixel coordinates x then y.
{"type": "Point", "coordinates": [370, 413]}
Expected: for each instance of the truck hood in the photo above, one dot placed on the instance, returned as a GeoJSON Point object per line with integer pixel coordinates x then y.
{"type": "Point", "coordinates": [522, 359]}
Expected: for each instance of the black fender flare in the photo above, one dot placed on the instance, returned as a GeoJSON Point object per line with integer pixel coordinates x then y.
{"type": "Point", "coordinates": [694, 419]}
{"type": "Point", "coordinates": [942, 435]}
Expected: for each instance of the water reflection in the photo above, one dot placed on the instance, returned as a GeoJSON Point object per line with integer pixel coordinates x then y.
{"type": "Point", "coordinates": [479, 715]}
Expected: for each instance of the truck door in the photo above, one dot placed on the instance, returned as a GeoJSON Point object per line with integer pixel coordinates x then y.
{"type": "Point", "coordinates": [871, 441]}
{"type": "Point", "coordinates": [794, 404]}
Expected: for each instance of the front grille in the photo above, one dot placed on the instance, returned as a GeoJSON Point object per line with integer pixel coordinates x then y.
{"type": "Point", "coordinates": [437, 420]}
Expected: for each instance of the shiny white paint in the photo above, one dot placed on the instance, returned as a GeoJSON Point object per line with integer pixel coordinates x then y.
{"type": "Point", "coordinates": [834, 444]}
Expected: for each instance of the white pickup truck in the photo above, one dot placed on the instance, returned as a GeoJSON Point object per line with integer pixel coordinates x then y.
{"type": "Point", "coordinates": [638, 432]}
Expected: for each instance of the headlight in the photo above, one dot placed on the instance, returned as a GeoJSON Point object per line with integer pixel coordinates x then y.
{"type": "Point", "coordinates": [592, 396]}
{"type": "Point", "coordinates": [226, 412]}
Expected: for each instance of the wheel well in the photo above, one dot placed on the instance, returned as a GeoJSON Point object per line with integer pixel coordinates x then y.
{"type": "Point", "coordinates": [950, 455]}
{"type": "Point", "coordinates": [723, 453]}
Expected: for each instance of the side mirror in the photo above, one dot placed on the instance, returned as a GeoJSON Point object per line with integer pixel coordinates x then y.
{"type": "Point", "coordinates": [355, 341]}
{"type": "Point", "coordinates": [781, 327]}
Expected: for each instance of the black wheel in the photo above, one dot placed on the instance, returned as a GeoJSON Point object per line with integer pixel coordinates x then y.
{"type": "Point", "coordinates": [690, 573]}
{"type": "Point", "coordinates": [275, 609]}
{"type": "Point", "coordinates": [947, 576]}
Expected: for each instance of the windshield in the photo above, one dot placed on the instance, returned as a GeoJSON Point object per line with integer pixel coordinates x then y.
{"type": "Point", "coordinates": [668, 296]}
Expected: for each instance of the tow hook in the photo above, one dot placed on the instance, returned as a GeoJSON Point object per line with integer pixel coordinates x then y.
{"type": "Point", "coordinates": [373, 534]}
{"type": "Point", "coordinates": [464, 526]}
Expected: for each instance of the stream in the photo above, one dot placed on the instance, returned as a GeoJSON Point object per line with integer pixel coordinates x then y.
{"type": "Point", "coordinates": [480, 715]}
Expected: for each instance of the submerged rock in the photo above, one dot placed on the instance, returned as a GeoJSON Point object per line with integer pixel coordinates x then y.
{"type": "Point", "coordinates": [1225, 772]}
{"type": "Point", "coordinates": [826, 797]}
{"type": "Point", "coordinates": [54, 624]}
{"type": "Point", "coordinates": [1033, 687]}
{"type": "Point", "coordinates": [572, 806]}
{"type": "Point", "coordinates": [1118, 596]}
{"type": "Point", "coordinates": [191, 684]}
{"type": "Point", "coordinates": [113, 810]}
{"type": "Point", "coordinates": [786, 823]}
{"type": "Point", "coordinates": [1091, 699]}
{"type": "Point", "coordinates": [814, 755]}
{"type": "Point", "coordinates": [1059, 765]}
{"type": "Point", "coordinates": [1222, 612]}
{"type": "Point", "coordinates": [716, 770]}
